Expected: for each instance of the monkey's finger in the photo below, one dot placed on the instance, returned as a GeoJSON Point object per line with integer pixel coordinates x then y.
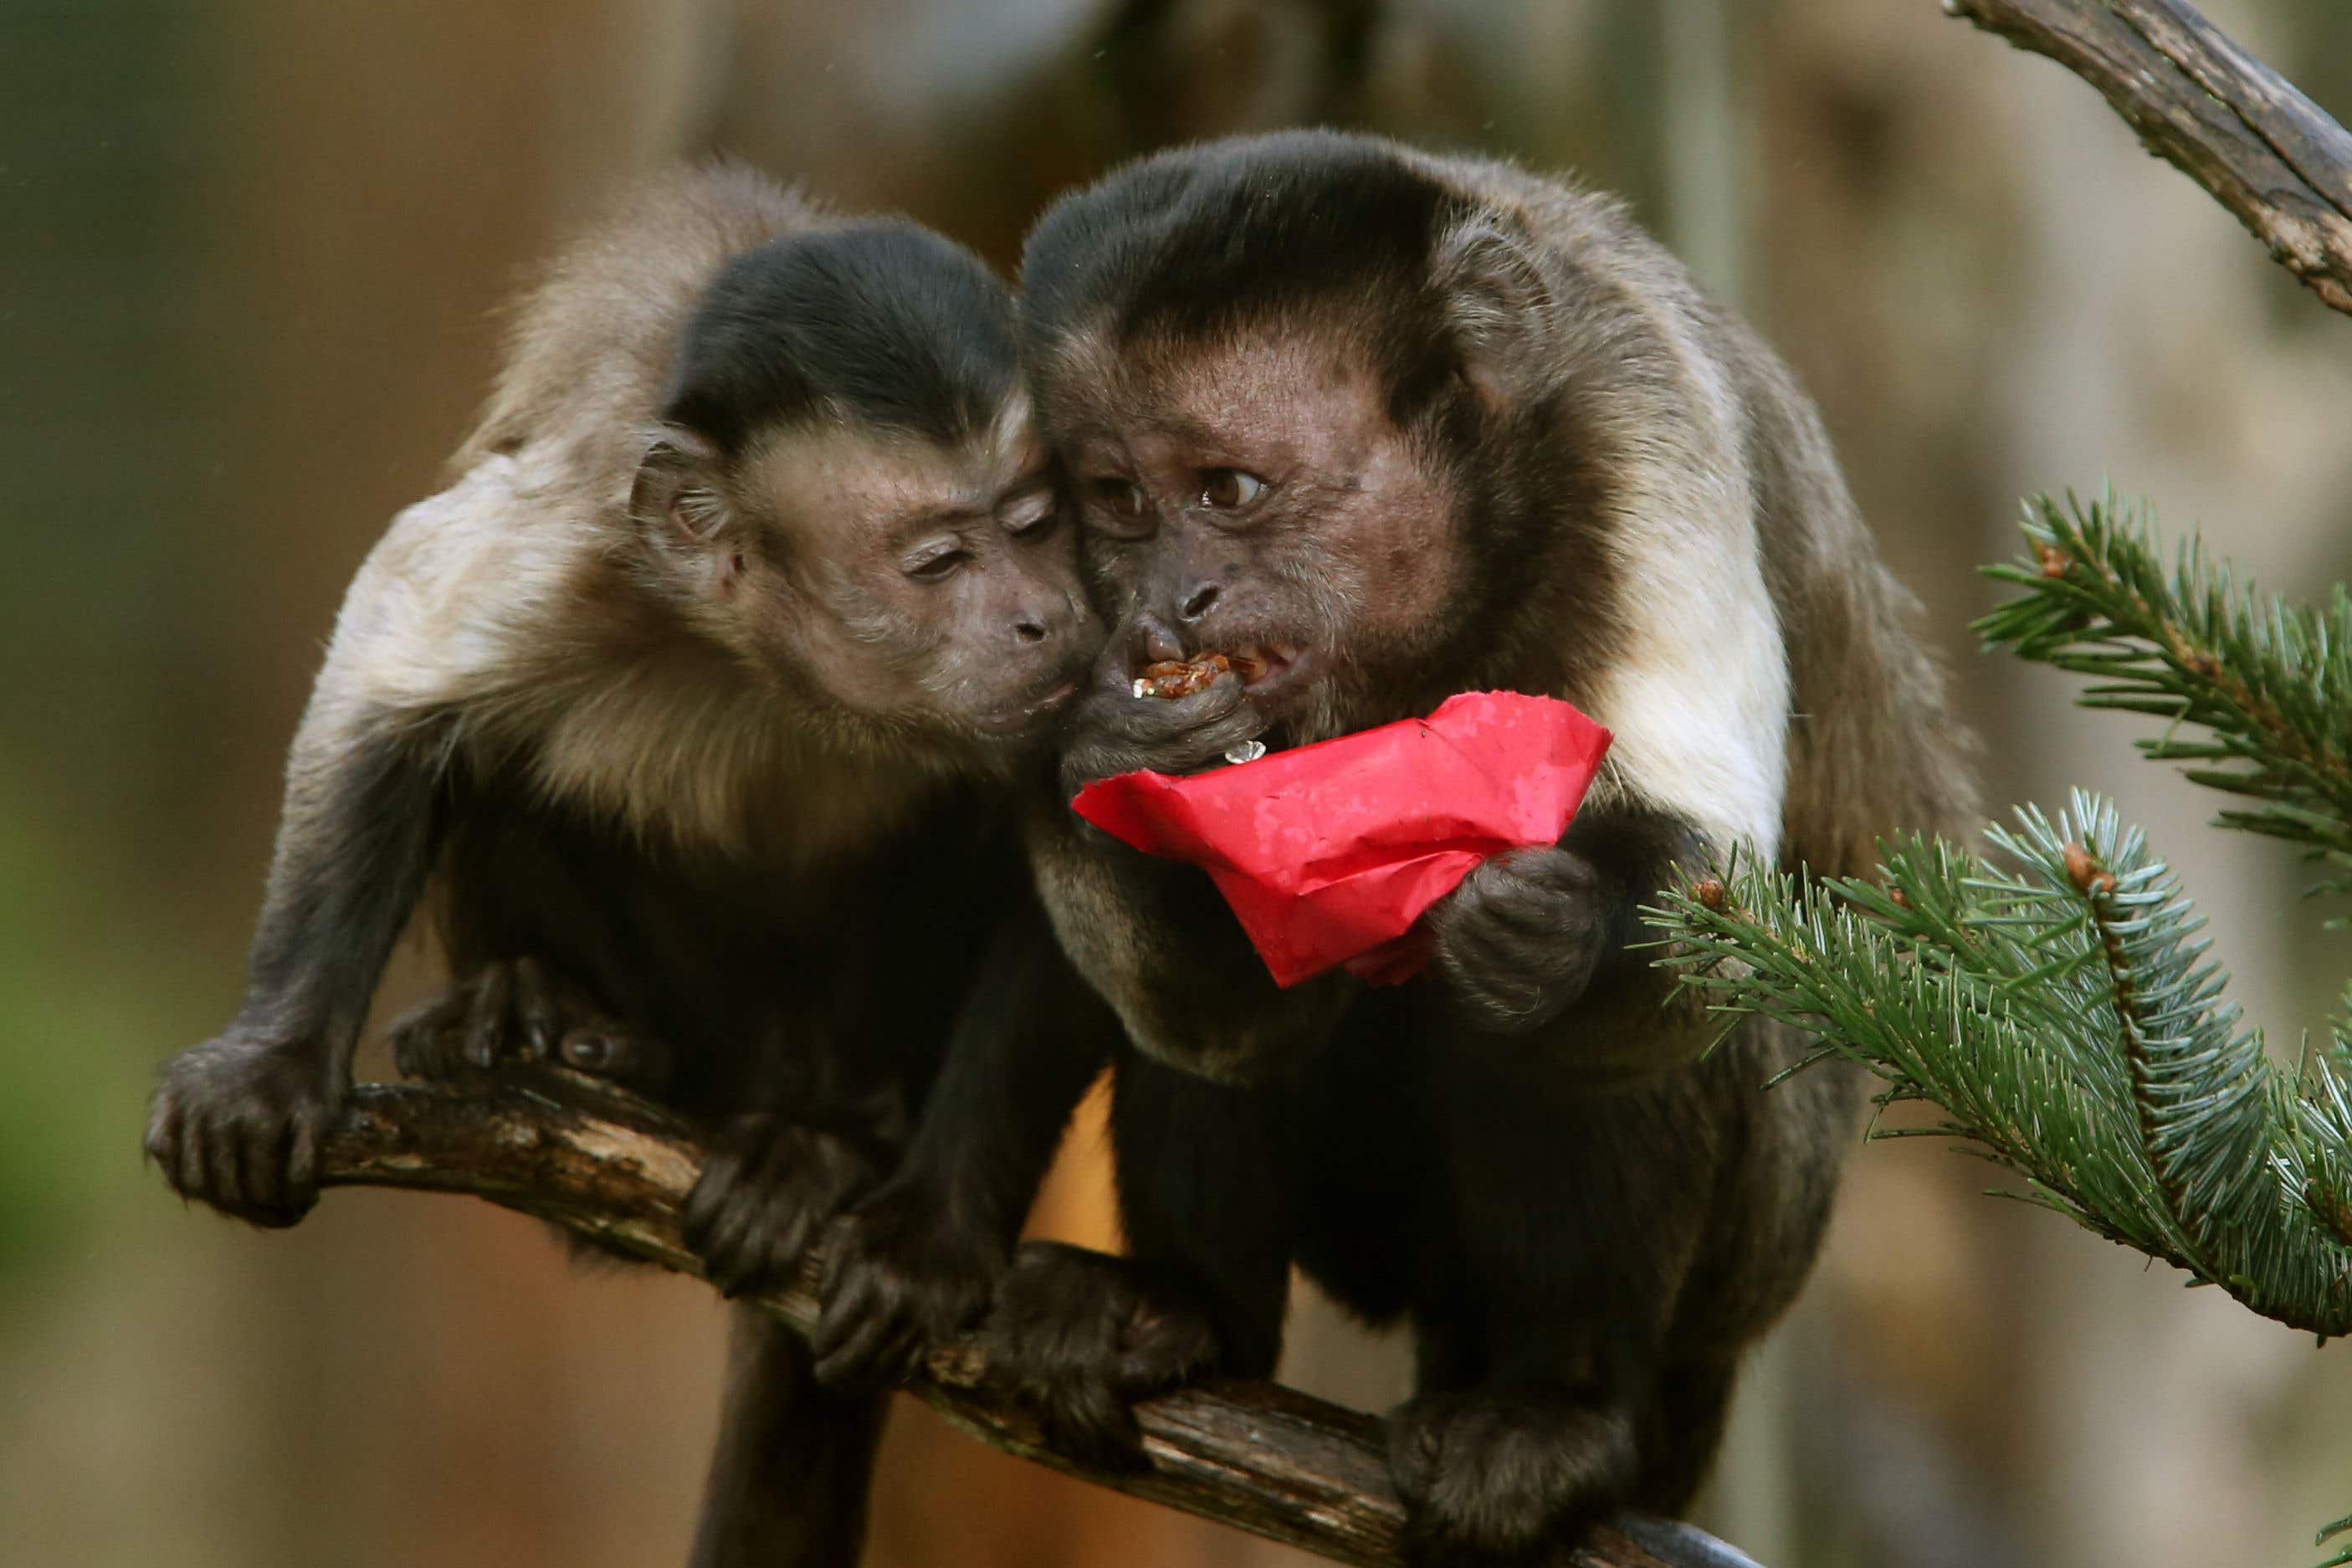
{"type": "Point", "coordinates": [493, 1001]}
{"type": "Point", "coordinates": [614, 1053]}
{"type": "Point", "coordinates": [851, 1337]}
{"type": "Point", "coordinates": [424, 1038]}
{"type": "Point", "coordinates": [1175, 1348]}
{"type": "Point", "coordinates": [302, 1160]}
{"type": "Point", "coordinates": [541, 1021]}
{"type": "Point", "coordinates": [162, 1140]}
{"type": "Point", "coordinates": [1150, 718]}
{"type": "Point", "coordinates": [896, 1361]}
{"type": "Point", "coordinates": [216, 1171]}
{"type": "Point", "coordinates": [187, 1172]}
{"type": "Point", "coordinates": [1089, 1417]}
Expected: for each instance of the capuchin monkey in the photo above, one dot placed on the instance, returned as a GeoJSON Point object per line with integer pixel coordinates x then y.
{"type": "Point", "coordinates": [692, 703]}
{"type": "Point", "coordinates": [1384, 426]}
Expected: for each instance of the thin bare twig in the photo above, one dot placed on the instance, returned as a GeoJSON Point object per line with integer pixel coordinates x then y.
{"type": "Point", "coordinates": [1255, 1456]}
{"type": "Point", "coordinates": [2201, 103]}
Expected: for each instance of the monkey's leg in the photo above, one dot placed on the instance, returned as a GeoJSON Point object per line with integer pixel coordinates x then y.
{"type": "Point", "coordinates": [914, 1265]}
{"type": "Point", "coordinates": [788, 1482]}
{"type": "Point", "coordinates": [1568, 1232]}
{"type": "Point", "coordinates": [236, 1121]}
{"type": "Point", "coordinates": [1203, 1290]}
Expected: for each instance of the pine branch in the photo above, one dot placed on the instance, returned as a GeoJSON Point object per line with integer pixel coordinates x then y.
{"type": "Point", "coordinates": [2204, 105]}
{"type": "Point", "coordinates": [2270, 684]}
{"type": "Point", "coordinates": [1257, 1457]}
{"type": "Point", "coordinates": [2057, 1006]}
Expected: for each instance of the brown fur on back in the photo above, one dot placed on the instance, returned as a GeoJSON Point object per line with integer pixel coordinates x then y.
{"type": "Point", "coordinates": [588, 346]}
{"type": "Point", "coordinates": [1873, 748]}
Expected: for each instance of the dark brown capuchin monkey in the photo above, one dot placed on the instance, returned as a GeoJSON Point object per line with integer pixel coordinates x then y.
{"type": "Point", "coordinates": [690, 706]}
{"type": "Point", "coordinates": [1382, 427]}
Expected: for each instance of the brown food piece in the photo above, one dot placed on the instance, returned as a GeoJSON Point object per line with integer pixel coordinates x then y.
{"type": "Point", "coordinates": [1170, 679]}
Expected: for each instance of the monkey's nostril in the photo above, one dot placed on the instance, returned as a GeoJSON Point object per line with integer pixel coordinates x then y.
{"type": "Point", "coordinates": [1029, 631]}
{"type": "Point", "coordinates": [1198, 604]}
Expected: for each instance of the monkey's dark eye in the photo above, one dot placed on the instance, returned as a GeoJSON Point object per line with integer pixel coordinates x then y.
{"type": "Point", "coordinates": [930, 565]}
{"type": "Point", "coordinates": [1229, 490]}
{"type": "Point", "coordinates": [1120, 497]}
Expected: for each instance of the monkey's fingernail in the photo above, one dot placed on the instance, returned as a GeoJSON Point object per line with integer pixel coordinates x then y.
{"type": "Point", "coordinates": [1247, 752]}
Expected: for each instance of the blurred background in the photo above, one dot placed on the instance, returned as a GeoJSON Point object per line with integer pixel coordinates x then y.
{"type": "Point", "coordinates": [249, 253]}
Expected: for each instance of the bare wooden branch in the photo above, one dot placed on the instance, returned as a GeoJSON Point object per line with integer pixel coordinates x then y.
{"type": "Point", "coordinates": [2201, 103]}
{"type": "Point", "coordinates": [1258, 1456]}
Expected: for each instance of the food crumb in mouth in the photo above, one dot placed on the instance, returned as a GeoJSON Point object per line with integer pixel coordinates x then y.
{"type": "Point", "coordinates": [1170, 679]}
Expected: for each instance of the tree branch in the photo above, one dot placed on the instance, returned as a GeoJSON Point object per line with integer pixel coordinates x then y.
{"type": "Point", "coordinates": [1258, 1456]}
{"type": "Point", "coordinates": [2201, 103]}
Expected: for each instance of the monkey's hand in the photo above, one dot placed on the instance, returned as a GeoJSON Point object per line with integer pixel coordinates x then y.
{"type": "Point", "coordinates": [767, 1193]}
{"type": "Point", "coordinates": [1520, 940]}
{"type": "Point", "coordinates": [1112, 730]}
{"type": "Point", "coordinates": [1081, 1336]}
{"type": "Point", "coordinates": [1494, 1475]}
{"type": "Point", "coordinates": [515, 1010]}
{"type": "Point", "coordinates": [901, 1278]}
{"type": "Point", "coordinates": [237, 1121]}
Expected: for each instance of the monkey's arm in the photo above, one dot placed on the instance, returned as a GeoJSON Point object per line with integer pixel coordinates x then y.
{"type": "Point", "coordinates": [1153, 936]}
{"type": "Point", "coordinates": [1159, 942]}
{"type": "Point", "coordinates": [913, 1265]}
{"type": "Point", "coordinates": [237, 1121]}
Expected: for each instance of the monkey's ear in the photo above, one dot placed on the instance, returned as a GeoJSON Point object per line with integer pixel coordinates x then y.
{"type": "Point", "coordinates": [1499, 307]}
{"type": "Point", "coordinates": [675, 498]}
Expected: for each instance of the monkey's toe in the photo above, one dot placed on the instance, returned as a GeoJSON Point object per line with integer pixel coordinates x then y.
{"type": "Point", "coordinates": [609, 1051]}
{"type": "Point", "coordinates": [428, 1040]}
{"type": "Point", "coordinates": [764, 1196]}
{"type": "Point", "coordinates": [518, 1010]}
{"type": "Point", "coordinates": [1494, 1475]}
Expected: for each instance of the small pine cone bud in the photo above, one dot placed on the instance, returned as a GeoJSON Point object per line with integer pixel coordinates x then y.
{"type": "Point", "coordinates": [2054, 560]}
{"type": "Point", "coordinates": [2204, 666]}
{"type": "Point", "coordinates": [2333, 1208]}
{"type": "Point", "coordinates": [1897, 897]}
{"type": "Point", "coordinates": [2086, 873]}
{"type": "Point", "coordinates": [1709, 891]}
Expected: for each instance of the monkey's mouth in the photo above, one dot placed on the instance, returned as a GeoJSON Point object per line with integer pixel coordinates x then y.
{"type": "Point", "coordinates": [1277, 670]}
{"type": "Point", "coordinates": [1264, 668]}
{"type": "Point", "coordinates": [1027, 713]}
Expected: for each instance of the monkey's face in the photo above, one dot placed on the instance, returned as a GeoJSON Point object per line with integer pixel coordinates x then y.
{"type": "Point", "coordinates": [1253, 497]}
{"type": "Point", "coordinates": [929, 592]}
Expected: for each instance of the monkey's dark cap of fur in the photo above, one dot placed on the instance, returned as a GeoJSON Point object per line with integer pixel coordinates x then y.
{"type": "Point", "coordinates": [885, 320]}
{"type": "Point", "coordinates": [1200, 237]}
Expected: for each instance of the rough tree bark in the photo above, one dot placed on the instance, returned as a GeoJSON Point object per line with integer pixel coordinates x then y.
{"type": "Point", "coordinates": [2204, 105]}
{"type": "Point", "coordinates": [1258, 1456]}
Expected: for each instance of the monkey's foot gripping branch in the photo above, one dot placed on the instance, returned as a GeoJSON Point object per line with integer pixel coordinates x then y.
{"type": "Point", "coordinates": [1255, 1456]}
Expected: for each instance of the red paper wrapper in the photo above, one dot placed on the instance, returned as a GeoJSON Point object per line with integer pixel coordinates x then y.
{"type": "Point", "coordinates": [1329, 853]}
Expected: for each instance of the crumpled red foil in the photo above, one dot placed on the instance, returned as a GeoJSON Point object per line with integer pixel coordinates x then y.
{"type": "Point", "coordinates": [1329, 853]}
